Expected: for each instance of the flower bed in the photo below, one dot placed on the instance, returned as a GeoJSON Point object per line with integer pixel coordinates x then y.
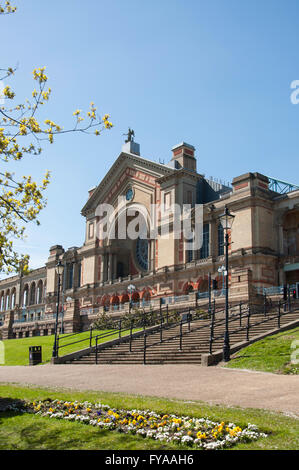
{"type": "Point", "coordinates": [196, 432]}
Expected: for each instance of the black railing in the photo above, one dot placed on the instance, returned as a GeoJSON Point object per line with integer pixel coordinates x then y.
{"type": "Point", "coordinates": [243, 313]}
{"type": "Point", "coordinates": [160, 320]}
{"type": "Point", "coordinates": [163, 323]}
{"type": "Point", "coordinates": [249, 314]}
{"type": "Point", "coordinates": [118, 327]}
{"type": "Point", "coordinates": [196, 326]}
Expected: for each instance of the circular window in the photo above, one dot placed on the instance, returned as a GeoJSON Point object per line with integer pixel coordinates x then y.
{"type": "Point", "coordinates": [142, 253]}
{"type": "Point", "coordinates": [129, 194]}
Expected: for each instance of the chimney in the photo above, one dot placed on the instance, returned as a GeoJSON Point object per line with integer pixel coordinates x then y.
{"type": "Point", "coordinates": [91, 191]}
{"type": "Point", "coordinates": [183, 156]}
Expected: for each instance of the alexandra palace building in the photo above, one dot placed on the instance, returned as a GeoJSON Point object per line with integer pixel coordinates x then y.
{"type": "Point", "coordinates": [112, 274]}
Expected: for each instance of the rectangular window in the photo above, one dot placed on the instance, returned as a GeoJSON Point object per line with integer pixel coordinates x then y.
{"type": "Point", "coordinates": [90, 231]}
{"type": "Point", "coordinates": [69, 281]}
{"type": "Point", "coordinates": [189, 197]}
{"type": "Point", "coordinates": [167, 200]}
{"type": "Point", "coordinates": [79, 274]}
{"type": "Point", "coordinates": [205, 249]}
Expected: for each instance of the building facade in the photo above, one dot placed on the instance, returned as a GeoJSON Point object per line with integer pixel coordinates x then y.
{"type": "Point", "coordinates": [110, 273]}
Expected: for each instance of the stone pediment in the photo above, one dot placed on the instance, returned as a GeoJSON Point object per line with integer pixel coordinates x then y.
{"type": "Point", "coordinates": [126, 169]}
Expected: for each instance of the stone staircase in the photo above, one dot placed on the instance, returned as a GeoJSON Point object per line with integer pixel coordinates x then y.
{"type": "Point", "coordinates": [195, 341]}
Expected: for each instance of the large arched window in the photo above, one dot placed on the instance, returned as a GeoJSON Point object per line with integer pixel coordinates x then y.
{"type": "Point", "coordinates": [32, 294]}
{"type": "Point", "coordinates": [39, 292]}
{"type": "Point", "coordinates": [13, 299]}
{"type": "Point", "coordinates": [7, 300]}
{"type": "Point", "coordinates": [2, 302]}
{"type": "Point", "coordinates": [25, 296]}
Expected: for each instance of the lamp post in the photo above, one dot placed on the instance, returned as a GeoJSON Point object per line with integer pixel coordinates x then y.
{"type": "Point", "coordinates": [226, 221]}
{"type": "Point", "coordinates": [221, 270]}
{"type": "Point", "coordinates": [131, 288]}
{"type": "Point", "coordinates": [59, 271]}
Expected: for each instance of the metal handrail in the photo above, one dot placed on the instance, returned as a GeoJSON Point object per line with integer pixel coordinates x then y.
{"type": "Point", "coordinates": [111, 331]}
{"type": "Point", "coordinates": [214, 323]}
{"type": "Point", "coordinates": [181, 333]}
{"type": "Point", "coordinates": [250, 314]}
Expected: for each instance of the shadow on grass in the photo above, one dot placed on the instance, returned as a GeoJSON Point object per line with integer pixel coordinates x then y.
{"type": "Point", "coordinates": [250, 356]}
{"type": "Point", "coordinates": [41, 436]}
{"type": "Point", "coordinates": [10, 404]}
{"type": "Point", "coordinates": [31, 432]}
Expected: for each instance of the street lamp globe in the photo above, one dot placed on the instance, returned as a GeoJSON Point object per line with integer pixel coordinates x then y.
{"type": "Point", "coordinates": [59, 268]}
{"type": "Point", "coordinates": [227, 219]}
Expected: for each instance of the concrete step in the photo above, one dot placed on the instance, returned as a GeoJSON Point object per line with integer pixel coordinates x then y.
{"type": "Point", "coordinates": [195, 342]}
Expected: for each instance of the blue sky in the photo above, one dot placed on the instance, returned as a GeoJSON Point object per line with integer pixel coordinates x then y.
{"type": "Point", "coordinates": [213, 73]}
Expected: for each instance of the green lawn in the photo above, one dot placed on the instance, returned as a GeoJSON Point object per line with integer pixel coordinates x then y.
{"type": "Point", "coordinates": [272, 354]}
{"type": "Point", "coordinates": [24, 431]}
{"type": "Point", "coordinates": [17, 350]}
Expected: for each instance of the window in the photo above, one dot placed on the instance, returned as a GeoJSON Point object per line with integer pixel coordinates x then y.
{"type": "Point", "coordinates": [25, 297]}
{"type": "Point", "coordinates": [90, 231]}
{"type": "Point", "coordinates": [69, 280]}
{"type": "Point", "coordinates": [7, 301]}
{"type": "Point", "coordinates": [167, 200]}
{"type": "Point", "coordinates": [13, 299]}
{"type": "Point", "coordinates": [189, 197]}
{"type": "Point", "coordinates": [40, 292]}
{"type": "Point", "coordinates": [220, 240]}
{"type": "Point", "coordinates": [32, 294]}
{"type": "Point", "coordinates": [205, 249]}
{"type": "Point", "coordinates": [189, 256]}
{"type": "Point", "coordinates": [79, 274]}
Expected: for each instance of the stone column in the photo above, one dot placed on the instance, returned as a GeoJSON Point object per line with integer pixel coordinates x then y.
{"type": "Point", "coordinates": [114, 270]}
{"type": "Point", "coordinates": [149, 257]}
{"type": "Point", "coordinates": [110, 267]}
{"type": "Point", "coordinates": [102, 267]}
{"type": "Point", "coordinates": [105, 267]}
{"type": "Point", "coordinates": [71, 317]}
{"type": "Point", "coordinates": [7, 325]}
{"type": "Point", "coordinates": [280, 240]}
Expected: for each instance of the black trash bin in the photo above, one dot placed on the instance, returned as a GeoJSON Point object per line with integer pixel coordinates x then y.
{"type": "Point", "coordinates": [35, 355]}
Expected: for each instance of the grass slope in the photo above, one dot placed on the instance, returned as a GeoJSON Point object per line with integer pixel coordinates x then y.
{"type": "Point", "coordinates": [272, 354]}
{"type": "Point", "coordinates": [17, 350]}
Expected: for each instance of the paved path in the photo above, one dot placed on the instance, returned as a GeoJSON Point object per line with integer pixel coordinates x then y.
{"type": "Point", "coordinates": [214, 385]}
